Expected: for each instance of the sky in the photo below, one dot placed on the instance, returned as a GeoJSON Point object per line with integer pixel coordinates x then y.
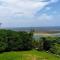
{"type": "Point", "coordinates": [29, 13]}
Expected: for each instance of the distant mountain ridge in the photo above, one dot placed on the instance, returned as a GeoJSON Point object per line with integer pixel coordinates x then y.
{"type": "Point", "coordinates": [37, 29]}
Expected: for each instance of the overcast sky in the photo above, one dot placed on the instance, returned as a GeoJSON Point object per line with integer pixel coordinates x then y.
{"type": "Point", "coordinates": [29, 13]}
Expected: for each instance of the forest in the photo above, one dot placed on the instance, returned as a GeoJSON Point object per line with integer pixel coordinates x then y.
{"type": "Point", "coordinates": [23, 41]}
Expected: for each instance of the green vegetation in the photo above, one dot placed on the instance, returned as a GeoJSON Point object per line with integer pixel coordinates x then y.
{"type": "Point", "coordinates": [50, 44]}
{"type": "Point", "coordinates": [47, 48]}
{"type": "Point", "coordinates": [28, 55]}
{"type": "Point", "coordinates": [12, 40]}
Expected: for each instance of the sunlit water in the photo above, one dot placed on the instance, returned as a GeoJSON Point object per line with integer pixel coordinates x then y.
{"type": "Point", "coordinates": [38, 35]}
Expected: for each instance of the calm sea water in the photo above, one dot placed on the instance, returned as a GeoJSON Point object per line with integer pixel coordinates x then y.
{"type": "Point", "coordinates": [37, 36]}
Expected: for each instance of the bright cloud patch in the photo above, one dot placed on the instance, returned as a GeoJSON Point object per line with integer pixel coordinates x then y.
{"type": "Point", "coordinates": [20, 6]}
{"type": "Point", "coordinates": [22, 11]}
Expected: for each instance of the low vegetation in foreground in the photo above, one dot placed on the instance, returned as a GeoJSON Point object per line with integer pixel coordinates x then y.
{"type": "Point", "coordinates": [28, 55]}
{"type": "Point", "coordinates": [46, 48]}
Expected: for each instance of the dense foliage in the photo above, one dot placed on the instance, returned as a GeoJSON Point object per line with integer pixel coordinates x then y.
{"type": "Point", "coordinates": [17, 41]}
{"type": "Point", "coordinates": [12, 40]}
{"type": "Point", "coordinates": [50, 44]}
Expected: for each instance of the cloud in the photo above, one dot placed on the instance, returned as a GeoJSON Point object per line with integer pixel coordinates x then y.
{"type": "Point", "coordinates": [45, 17]}
{"type": "Point", "coordinates": [48, 8]}
{"type": "Point", "coordinates": [23, 11]}
{"type": "Point", "coordinates": [54, 1]}
{"type": "Point", "coordinates": [27, 7]}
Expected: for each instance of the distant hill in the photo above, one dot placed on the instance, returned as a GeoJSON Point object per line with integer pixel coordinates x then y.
{"type": "Point", "coordinates": [37, 29]}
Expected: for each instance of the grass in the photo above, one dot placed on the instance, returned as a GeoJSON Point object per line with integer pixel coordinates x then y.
{"type": "Point", "coordinates": [28, 55]}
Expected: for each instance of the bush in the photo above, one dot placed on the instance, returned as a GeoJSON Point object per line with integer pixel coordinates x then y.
{"type": "Point", "coordinates": [55, 49]}
{"type": "Point", "coordinates": [44, 44]}
{"type": "Point", "coordinates": [12, 40]}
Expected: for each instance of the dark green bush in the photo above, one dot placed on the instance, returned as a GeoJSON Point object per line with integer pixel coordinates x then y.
{"type": "Point", "coordinates": [55, 49]}
{"type": "Point", "coordinates": [12, 40]}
